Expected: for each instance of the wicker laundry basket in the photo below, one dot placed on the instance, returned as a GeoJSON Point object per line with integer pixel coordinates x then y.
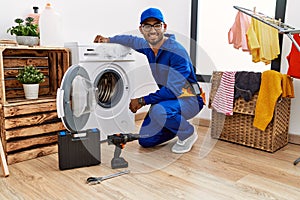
{"type": "Point", "coordinates": [238, 128]}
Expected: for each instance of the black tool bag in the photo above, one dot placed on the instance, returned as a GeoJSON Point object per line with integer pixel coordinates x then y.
{"type": "Point", "coordinates": [79, 149]}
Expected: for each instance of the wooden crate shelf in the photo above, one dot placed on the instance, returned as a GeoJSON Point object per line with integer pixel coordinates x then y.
{"type": "Point", "coordinates": [29, 128]}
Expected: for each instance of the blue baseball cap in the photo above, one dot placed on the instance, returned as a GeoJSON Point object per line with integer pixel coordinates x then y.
{"type": "Point", "coordinates": [152, 13]}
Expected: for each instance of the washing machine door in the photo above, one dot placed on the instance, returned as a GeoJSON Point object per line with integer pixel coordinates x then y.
{"type": "Point", "coordinates": [75, 99]}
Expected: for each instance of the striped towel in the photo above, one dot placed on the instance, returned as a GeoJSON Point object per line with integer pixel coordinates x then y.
{"type": "Point", "coordinates": [223, 101]}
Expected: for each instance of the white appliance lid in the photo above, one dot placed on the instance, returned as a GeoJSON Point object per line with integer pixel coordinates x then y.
{"type": "Point", "coordinates": [75, 98]}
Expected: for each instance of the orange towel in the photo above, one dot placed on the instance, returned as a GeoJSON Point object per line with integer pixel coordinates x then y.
{"type": "Point", "coordinates": [273, 85]}
{"type": "Point", "coordinates": [287, 86]}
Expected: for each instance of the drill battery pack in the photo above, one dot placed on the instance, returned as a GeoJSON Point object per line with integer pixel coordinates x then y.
{"type": "Point", "coordinates": [80, 149]}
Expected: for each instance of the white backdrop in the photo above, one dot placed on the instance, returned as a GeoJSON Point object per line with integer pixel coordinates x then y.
{"type": "Point", "coordinates": [292, 18]}
{"type": "Point", "coordinates": [215, 19]}
{"type": "Point", "coordinates": [84, 19]}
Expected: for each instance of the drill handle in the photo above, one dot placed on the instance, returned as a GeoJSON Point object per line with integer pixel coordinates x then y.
{"type": "Point", "coordinates": [117, 152]}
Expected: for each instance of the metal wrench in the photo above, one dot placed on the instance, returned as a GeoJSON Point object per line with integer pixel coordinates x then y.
{"type": "Point", "coordinates": [96, 180]}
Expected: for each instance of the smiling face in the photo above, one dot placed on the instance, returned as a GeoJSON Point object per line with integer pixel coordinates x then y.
{"type": "Point", "coordinates": [153, 31]}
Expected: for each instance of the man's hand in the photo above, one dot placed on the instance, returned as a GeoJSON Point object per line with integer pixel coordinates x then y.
{"type": "Point", "coordinates": [134, 105]}
{"type": "Point", "coordinates": [101, 39]}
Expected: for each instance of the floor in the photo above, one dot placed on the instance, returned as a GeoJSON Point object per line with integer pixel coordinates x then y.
{"type": "Point", "coordinates": [212, 170]}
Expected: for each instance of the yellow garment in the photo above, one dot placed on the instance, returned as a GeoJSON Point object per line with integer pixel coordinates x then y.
{"type": "Point", "coordinates": [262, 41]}
{"type": "Point", "coordinates": [287, 86]}
{"type": "Point", "coordinates": [273, 85]}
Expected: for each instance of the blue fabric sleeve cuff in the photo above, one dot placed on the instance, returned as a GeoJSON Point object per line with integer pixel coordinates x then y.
{"type": "Point", "coordinates": [111, 40]}
{"type": "Point", "coordinates": [147, 100]}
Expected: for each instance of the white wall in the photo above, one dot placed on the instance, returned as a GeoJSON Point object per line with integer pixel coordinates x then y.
{"type": "Point", "coordinates": [215, 19]}
{"type": "Point", "coordinates": [214, 53]}
{"type": "Point", "coordinates": [84, 19]}
{"type": "Point", "coordinates": [292, 18]}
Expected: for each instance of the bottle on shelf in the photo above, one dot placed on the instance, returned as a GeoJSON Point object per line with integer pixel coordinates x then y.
{"type": "Point", "coordinates": [35, 15]}
{"type": "Point", "coordinates": [51, 29]}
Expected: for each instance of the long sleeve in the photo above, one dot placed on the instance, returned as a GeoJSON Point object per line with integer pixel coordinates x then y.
{"type": "Point", "coordinates": [237, 33]}
{"type": "Point", "coordinates": [133, 42]}
{"type": "Point", "coordinates": [263, 42]}
{"type": "Point", "coordinates": [171, 67]}
{"type": "Point", "coordinates": [293, 59]}
{"type": "Point", "coordinates": [270, 90]}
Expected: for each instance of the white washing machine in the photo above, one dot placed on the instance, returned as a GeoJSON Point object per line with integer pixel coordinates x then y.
{"type": "Point", "coordinates": [96, 90]}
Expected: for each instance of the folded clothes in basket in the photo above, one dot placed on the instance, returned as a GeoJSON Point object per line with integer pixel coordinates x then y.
{"type": "Point", "coordinates": [238, 128]}
{"type": "Point", "coordinates": [246, 84]}
{"type": "Point", "coordinates": [223, 100]}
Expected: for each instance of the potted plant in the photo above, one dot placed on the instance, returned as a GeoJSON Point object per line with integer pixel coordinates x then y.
{"type": "Point", "coordinates": [30, 77]}
{"type": "Point", "coordinates": [26, 31]}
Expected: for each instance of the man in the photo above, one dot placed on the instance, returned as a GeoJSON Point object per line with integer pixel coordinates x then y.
{"type": "Point", "coordinates": [178, 97]}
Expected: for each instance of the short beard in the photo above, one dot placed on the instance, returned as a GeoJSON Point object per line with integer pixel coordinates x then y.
{"type": "Point", "coordinates": [159, 39]}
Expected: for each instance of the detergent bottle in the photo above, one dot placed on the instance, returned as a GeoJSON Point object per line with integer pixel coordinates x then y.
{"type": "Point", "coordinates": [35, 15]}
{"type": "Point", "coordinates": [51, 29]}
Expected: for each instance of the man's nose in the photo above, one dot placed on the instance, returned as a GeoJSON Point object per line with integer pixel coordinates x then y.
{"type": "Point", "coordinates": [152, 30]}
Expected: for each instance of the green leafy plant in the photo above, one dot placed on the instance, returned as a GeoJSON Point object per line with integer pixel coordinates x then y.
{"type": "Point", "coordinates": [30, 75]}
{"type": "Point", "coordinates": [24, 28]}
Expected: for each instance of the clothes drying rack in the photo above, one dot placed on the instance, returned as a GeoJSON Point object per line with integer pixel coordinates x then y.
{"type": "Point", "coordinates": [280, 26]}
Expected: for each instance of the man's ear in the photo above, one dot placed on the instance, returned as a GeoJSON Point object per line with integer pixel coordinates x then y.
{"type": "Point", "coordinates": [165, 27]}
{"type": "Point", "coordinates": [140, 28]}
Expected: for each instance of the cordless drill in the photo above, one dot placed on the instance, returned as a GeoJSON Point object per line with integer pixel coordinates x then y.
{"type": "Point", "coordinates": [119, 140]}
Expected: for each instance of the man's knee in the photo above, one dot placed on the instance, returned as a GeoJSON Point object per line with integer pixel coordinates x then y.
{"type": "Point", "coordinates": [162, 113]}
{"type": "Point", "coordinates": [146, 143]}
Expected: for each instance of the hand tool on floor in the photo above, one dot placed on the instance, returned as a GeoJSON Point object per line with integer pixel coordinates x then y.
{"type": "Point", "coordinates": [119, 140]}
{"type": "Point", "coordinates": [3, 161]}
{"type": "Point", "coordinates": [96, 180]}
{"type": "Point", "coordinates": [296, 161]}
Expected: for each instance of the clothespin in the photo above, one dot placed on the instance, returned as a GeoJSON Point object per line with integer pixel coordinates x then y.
{"type": "Point", "coordinates": [279, 22]}
{"type": "Point", "coordinates": [254, 10]}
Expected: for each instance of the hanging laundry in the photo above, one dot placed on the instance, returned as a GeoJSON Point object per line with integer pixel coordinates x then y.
{"type": "Point", "coordinates": [287, 86]}
{"type": "Point", "coordinates": [273, 85]}
{"type": "Point", "coordinates": [294, 59]}
{"type": "Point", "coordinates": [237, 33]}
{"type": "Point", "coordinates": [223, 100]}
{"type": "Point", "coordinates": [263, 42]}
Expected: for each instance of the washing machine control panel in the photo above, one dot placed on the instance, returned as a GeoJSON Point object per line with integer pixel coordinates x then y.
{"type": "Point", "coordinates": [100, 52]}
